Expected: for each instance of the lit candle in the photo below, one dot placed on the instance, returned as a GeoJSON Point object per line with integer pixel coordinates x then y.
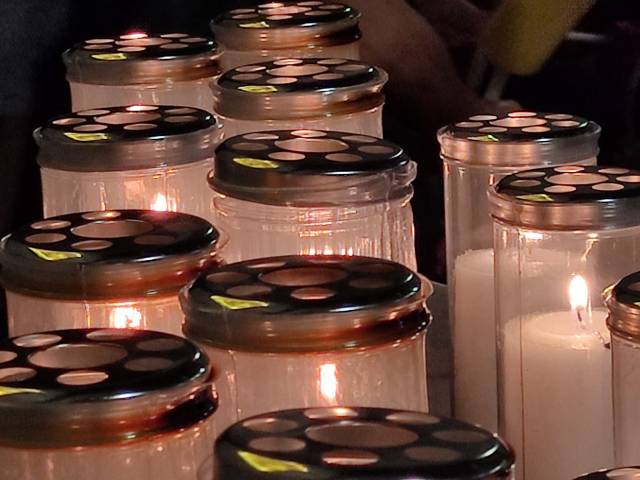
{"type": "Point", "coordinates": [477, 152]}
{"type": "Point", "coordinates": [557, 409]}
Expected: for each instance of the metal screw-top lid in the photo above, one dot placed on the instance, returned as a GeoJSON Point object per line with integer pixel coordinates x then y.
{"type": "Point", "coordinates": [623, 302]}
{"type": "Point", "coordinates": [109, 254]}
{"type": "Point", "coordinates": [72, 388]}
{"type": "Point", "coordinates": [520, 139]}
{"type": "Point", "coordinates": [311, 168]}
{"type": "Point", "coordinates": [295, 88]}
{"type": "Point", "coordinates": [127, 138]}
{"type": "Point", "coordinates": [359, 443]}
{"type": "Point", "coordinates": [570, 197]}
{"type": "Point", "coordinates": [282, 25]}
{"type": "Point", "coordinates": [305, 304]}
{"type": "Point", "coordinates": [623, 473]}
{"type": "Point", "coordinates": [140, 58]}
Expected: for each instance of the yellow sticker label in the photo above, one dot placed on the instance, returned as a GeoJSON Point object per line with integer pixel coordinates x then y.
{"type": "Point", "coordinates": [237, 304]}
{"type": "Point", "coordinates": [52, 256]}
{"type": "Point", "coordinates": [4, 391]}
{"type": "Point", "coordinates": [254, 25]}
{"type": "Point", "coordinates": [258, 88]}
{"type": "Point", "coordinates": [538, 197]}
{"type": "Point", "coordinates": [109, 56]}
{"type": "Point", "coordinates": [87, 137]}
{"type": "Point", "coordinates": [271, 465]}
{"type": "Point", "coordinates": [255, 163]}
{"type": "Point", "coordinates": [485, 138]}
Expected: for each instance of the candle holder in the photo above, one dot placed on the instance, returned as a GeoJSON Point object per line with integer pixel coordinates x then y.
{"type": "Point", "coordinates": [623, 302]}
{"type": "Point", "coordinates": [312, 192]}
{"type": "Point", "coordinates": [311, 331]}
{"type": "Point", "coordinates": [120, 269]}
{"type": "Point", "coordinates": [562, 235]}
{"type": "Point", "coordinates": [621, 473]}
{"type": "Point", "coordinates": [287, 29]}
{"type": "Point", "coordinates": [362, 443]}
{"type": "Point", "coordinates": [322, 94]}
{"type": "Point", "coordinates": [137, 68]}
{"type": "Point", "coordinates": [478, 152]}
{"type": "Point", "coordinates": [104, 404]}
{"type": "Point", "coordinates": [128, 157]}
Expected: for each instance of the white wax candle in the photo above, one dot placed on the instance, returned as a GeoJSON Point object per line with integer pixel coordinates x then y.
{"type": "Point", "coordinates": [474, 340]}
{"type": "Point", "coordinates": [557, 394]}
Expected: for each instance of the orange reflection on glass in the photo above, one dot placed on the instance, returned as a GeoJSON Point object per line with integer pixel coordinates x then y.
{"type": "Point", "coordinates": [162, 204]}
{"type": "Point", "coordinates": [328, 382]}
{"type": "Point", "coordinates": [125, 317]}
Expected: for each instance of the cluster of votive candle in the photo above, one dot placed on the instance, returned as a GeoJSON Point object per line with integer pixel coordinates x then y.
{"type": "Point", "coordinates": [223, 285]}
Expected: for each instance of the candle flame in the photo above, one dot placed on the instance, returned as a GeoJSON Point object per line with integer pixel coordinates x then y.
{"type": "Point", "coordinates": [328, 382]}
{"type": "Point", "coordinates": [578, 295]}
{"type": "Point", "coordinates": [160, 203]}
{"type": "Point", "coordinates": [125, 317]}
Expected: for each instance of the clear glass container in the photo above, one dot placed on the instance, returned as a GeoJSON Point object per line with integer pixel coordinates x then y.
{"type": "Point", "coordinates": [104, 404]}
{"type": "Point", "coordinates": [363, 443]}
{"type": "Point", "coordinates": [562, 235]}
{"type": "Point", "coordinates": [137, 68]}
{"type": "Point", "coordinates": [293, 93]}
{"type": "Point", "coordinates": [477, 152]}
{"type": "Point", "coordinates": [147, 157]}
{"type": "Point", "coordinates": [118, 269]}
{"type": "Point", "coordinates": [622, 473]}
{"type": "Point", "coordinates": [302, 331]}
{"type": "Point", "coordinates": [276, 30]}
{"type": "Point", "coordinates": [310, 192]}
{"type": "Point", "coordinates": [623, 302]}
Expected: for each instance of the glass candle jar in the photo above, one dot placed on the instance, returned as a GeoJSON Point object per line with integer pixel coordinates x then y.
{"type": "Point", "coordinates": [278, 30]}
{"type": "Point", "coordinates": [104, 404]}
{"type": "Point", "coordinates": [128, 157]}
{"type": "Point", "coordinates": [311, 331]}
{"type": "Point", "coordinates": [478, 152]}
{"type": "Point", "coordinates": [137, 68]}
{"type": "Point", "coordinates": [562, 235]}
{"type": "Point", "coordinates": [623, 473]}
{"type": "Point", "coordinates": [323, 94]}
{"type": "Point", "coordinates": [623, 302]}
{"type": "Point", "coordinates": [363, 443]}
{"type": "Point", "coordinates": [312, 192]}
{"type": "Point", "coordinates": [119, 269]}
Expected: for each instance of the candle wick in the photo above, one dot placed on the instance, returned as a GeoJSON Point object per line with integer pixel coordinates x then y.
{"type": "Point", "coordinates": [579, 314]}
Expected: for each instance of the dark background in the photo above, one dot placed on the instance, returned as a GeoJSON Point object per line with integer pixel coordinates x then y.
{"type": "Point", "coordinates": [597, 80]}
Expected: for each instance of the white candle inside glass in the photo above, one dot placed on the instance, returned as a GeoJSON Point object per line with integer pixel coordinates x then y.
{"type": "Point", "coordinates": [474, 340]}
{"type": "Point", "coordinates": [557, 408]}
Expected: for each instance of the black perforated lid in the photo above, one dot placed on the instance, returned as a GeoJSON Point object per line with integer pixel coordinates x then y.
{"type": "Point", "coordinates": [93, 386]}
{"type": "Point", "coordinates": [299, 88]}
{"type": "Point", "coordinates": [127, 138]}
{"type": "Point", "coordinates": [111, 254]}
{"type": "Point", "coordinates": [520, 139]}
{"type": "Point", "coordinates": [310, 167]}
{"type": "Point", "coordinates": [359, 443]}
{"type": "Point", "coordinates": [623, 473]}
{"type": "Point", "coordinates": [569, 198]}
{"type": "Point", "coordinates": [305, 303]}
{"type": "Point", "coordinates": [281, 25]}
{"type": "Point", "coordinates": [141, 58]}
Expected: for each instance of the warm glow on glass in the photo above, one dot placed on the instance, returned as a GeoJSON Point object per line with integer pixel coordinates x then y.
{"type": "Point", "coordinates": [328, 251]}
{"type": "Point", "coordinates": [134, 36]}
{"type": "Point", "coordinates": [125, 317]}
{"type": "Point", "coordinates": [328, 382]}
{"type": "Point", "coordinates": [162, 204]}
